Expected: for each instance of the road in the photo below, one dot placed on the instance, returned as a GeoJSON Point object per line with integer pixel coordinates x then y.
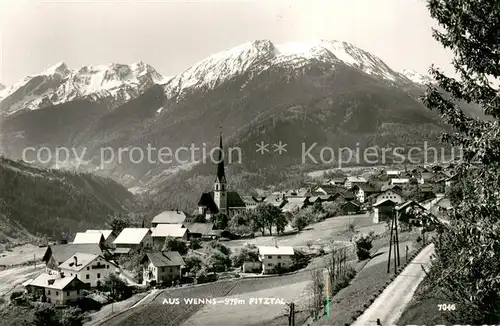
{"type": "Point", "coordinates": [390, 305]}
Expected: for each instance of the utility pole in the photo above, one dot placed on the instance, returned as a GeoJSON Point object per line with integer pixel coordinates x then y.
{"type": "Point", "coordinates": [396, 217]}
{"type": "Point", "coordinates": [291, 315]}
{"type": "Point", "coordinates": [390, 246]}
{"type": "Point", "coordinates": [395, 259]}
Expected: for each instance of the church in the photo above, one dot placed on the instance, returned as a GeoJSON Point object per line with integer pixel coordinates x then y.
{"type": "Point", "coordinates": [220, 200]}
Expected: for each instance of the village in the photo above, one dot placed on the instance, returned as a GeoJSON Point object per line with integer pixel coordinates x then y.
{"type": "Point", "coordinates": [231, 236]}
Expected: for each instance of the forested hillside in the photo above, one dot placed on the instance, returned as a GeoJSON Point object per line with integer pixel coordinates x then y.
{"type": "Point", "coordinates": [56, 203]}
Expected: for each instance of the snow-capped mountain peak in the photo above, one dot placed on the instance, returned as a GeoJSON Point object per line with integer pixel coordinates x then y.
{"type": "Point", "coordinates": [256, 56]}
{"type": "Point", "coordinates": [416, 77]}
{"type": "Point", "coordinates": [113, 83]}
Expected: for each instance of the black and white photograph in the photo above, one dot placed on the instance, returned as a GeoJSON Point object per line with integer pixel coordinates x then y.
{"type": "Point", "coordinates": [253, 163]}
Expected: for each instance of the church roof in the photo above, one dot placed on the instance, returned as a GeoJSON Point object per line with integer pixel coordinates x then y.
{"type": "Point", "coordinates": [207, 200]}
{"type": "Point", "coordinates": [221, 175]}
{"type": "Point", "coordinates": [234, 200]}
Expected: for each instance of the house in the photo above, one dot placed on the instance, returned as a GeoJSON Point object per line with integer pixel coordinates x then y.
{"type": "Point", "coordinates": [383, 210]}
{"type": "Point", "coordinates": [294, 204]}
{"type": "Point", "coordinates": [448, 183]}
{"type": "Point", "coordinates": [407, 209]}
{"type": "Point", "coordinates": [160, 233]}
{"type": "Point", "coordinates": [57, 288]}
{"type": "Point", "coordinates": [55, 255]}
{"type": "Point", "coordinates": [278, 200]}
{"type": "Point", "coordinates": [363, 190]}
{"type": "Point", "coordinates": [394, 194]}
{"type": "Point", "coordinates": [351, 181]}
{"type": "Point", "coordinates": [200, 230]}
{"type": "Point", "coordinates": [251, 201]}
{"type": "Point", "coordinates": [89, 268]}
{"type": "Point", "coordinates": [392, 173]}
{"type": "Point", "coordinates": [109, 236]}
{"type": "Point", "coordinates": [350, 208]}
{"type": "Point", "coordinates": [161, 267]}
{"type": "Point", "coordinates": [169, 217]}
{"type": "Point", "coordinates": [326, 190]}
{"type": "Point", "coordinates": [84, 238]}
{"type": "Point", "coordinates": [399, 181]}
{"type": "Point", "coordinates": [133, 238]}
{"type": "Point", "coordinates": [220, 200]}
{"type": "Point", "coordinates": [336, 181]}
{"type": "Point", "coordinates": [274, 258]}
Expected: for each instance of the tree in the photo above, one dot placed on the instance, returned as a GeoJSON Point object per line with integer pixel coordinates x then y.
{"type": "Point", "coordinates": [117, 288]}
{"type": "Point", "coordinates": [118, 223]}
{"type": "Point", "coordinates": [195, 244]}
{"type": "Point", "coordinates": [248, 252]}
{"type": "Point", "coordinates": [193, 263]}
{"type": "Point", "coordinates": [265, 217]}
{"type": "Point", "coordinates": [220, 221]}
{"type": "Point", "coordinates": [363, 246]}
{"type": "Point", "coordinates": [72, 316]}
{"type": "Point", "coordinates": [200, 219]}
{"type": "Point", "coordinates": [467, 267]}
{"type": "Point", "coordinates": [299, 222]}
{"type": "Point", "coordinates": [173, 244]}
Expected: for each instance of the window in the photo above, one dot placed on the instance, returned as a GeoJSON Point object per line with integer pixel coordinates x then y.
{"type": "Point", "coordinates": [88, 268]}
{"type": "Point", "coordinates": [269, 264]}
{"type": "Point", "coordinates": [98, 275]}
{"type": "Point", "coordinates": [48, 292]}
{"type": "Point", "coordinates": [87, 276]}
{"type": "Point", "coordinates": [57, 293]}
{"type": "Point", "coordinates": [48, 300]}
{"type": "Point", "coordinates": [107, 266]}
{"type": "Point", "coordinates": [67, 293]}
{"type": "Point", "coordinates": [78, 291]}
{"type": "Point", "coordinates": [279, 257]}
{"type": "Point", "coordinates": [163, 269]}
{"type": "Point", "coordinates": [269, 257]}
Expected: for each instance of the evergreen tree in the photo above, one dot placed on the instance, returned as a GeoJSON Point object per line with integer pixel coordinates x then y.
{"type": "Point", "coordinates": [467, 266]}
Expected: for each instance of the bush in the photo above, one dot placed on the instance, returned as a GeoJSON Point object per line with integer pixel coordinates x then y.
{"type": "Point", "coordinates": [246, 253]}
{"type": "Point", "coordinates": [195, 244]}
{"type": "Point", "coordinates": [173, 244]}
{"type": "Point", "coordinates": [193, 263]}
{"type": "Point", "coordinates": [363, 246]}
{"type": "Point", "coordinates": [16, 294]}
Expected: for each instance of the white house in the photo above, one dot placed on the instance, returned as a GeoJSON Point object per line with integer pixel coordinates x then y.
{"type": "Point", "coordinates": [84, 237]}
{"type": "Point", "coordinates": [363, 190]}
{"type": "Point", "coordinates": [57, 288]}
{"type": "Point", "coordinates": [89, 268]}
{"type": "Point", "coordinates": [273, 257]}
{"type": "Point", "coordinates": [397, 181]}
{"type": "Point", "coordinates": [162, 266]}
{"type": "Point", "coordinates": [162, 231]}
{"type": "Point", "coordinates": [109, 236]}
{"type": "Point", "coordinates": [392, 194]}
{"type": "Point", "coordinates": [133, 238]}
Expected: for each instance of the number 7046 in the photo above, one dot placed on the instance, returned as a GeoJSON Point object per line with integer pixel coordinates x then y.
{"type": "Point", "coordinates": [446, 307]}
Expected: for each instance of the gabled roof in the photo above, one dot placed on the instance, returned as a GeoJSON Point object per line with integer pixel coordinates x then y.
{"type": "Point", "coordinates": [201, 228]}
{"type": "Point", "coordinates": [131, 236]}
{"type": "Point", "coordinates": [62, 252]}
{"type": "Point", "coordinates": [89, 237]}
{"type": "Point", "coordinates": [250, 200]}
{"type": "Point", "coordinates": [170, 217]}
{"type": "Point", "coordinates": [233, 201]}
{"type": "Point", "coordinates": [395, 189]}
{"type": "Point", "coordinates": [276, 251]}
{"type": "Point", "coordinates": [161, 259]}
{"type": "Point", "coordinates": [329, 189]}
{"type": "Point", "coordinates": [352, 203]}
{"type": "Point", "coordinates": [105, 233]}
{"type": "Point", "coordinates": [168, 230]}
{"type": "Point", "coordinates": [56, 282]}
{"type": "Point", "coordinates": [407, 204]}
{"type": "Point", "coordinates": [365, 187]}
{"type": "Point", "coordinates": [82, 260]}
{"type": "Point", "coordinates": [386, 201]}
{"type": "Point", "coordinates": [206, 200]}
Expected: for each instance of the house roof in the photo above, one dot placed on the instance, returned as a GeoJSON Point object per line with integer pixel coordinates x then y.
{"type": "Point", "coordinates": [169, 230]}
{"type": "Point", "coordinates": [396, 190]}
{"type": "Point", "coordinates": [161, 259]}
{"type": "Point", "coordinates": [206, 200]}
{"type": "Point", "coordinates": [393, 172]}
{"type": "Point", "coordinates": [294, 203]}
{"type": "Point", "coordinates": [234, 200]}
{"type": "Point", "coordinates": [121, 250]}
{"type": "Point", "coordinates": [54, 281]}
{"type": "Point", "coordinates": [131, 236]}
{"type": "Point", "coordinates": [409, 203]}
{"type": "Point", "coordinates": [202, 228]}
{"type": "Point", "coordinates": [105, 233]}
{"type": "Point", "coordinates": [366, 187]}
{"type": "Point", "coordinates": [329, 189]}
{"type": "Point", "coordinates": [250, 200]}
{"type": "Point", "coordinates": [384, 201]}
{"type": "Point", "coordinates": [62, 252]}
{"type": "Point", "coordinates": [82, 260]}
{"type": "Point", "coordinates": [275, 250]}
{"type": "Point", "coordinates": [352, 203]}
{"type": "Point", "coordinates": [356, 179]}
{"type": "Point", "coordinates": [89, 237]}
{"type": "Point", "coordinates": [170, 217]}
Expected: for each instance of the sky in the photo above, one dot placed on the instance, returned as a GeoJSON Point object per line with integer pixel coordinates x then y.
{"type": "Point", "coordinates": [173, 35]}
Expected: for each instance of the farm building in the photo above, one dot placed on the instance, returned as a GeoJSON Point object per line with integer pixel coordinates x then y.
{"type": "Point", "coordinates": [273, 258]}
{"type": "Point", "coordinates": [56, 288]}
{"type": "Point", "coordinates": [109, 236]}
{"type": "Point", "coordinates": [350, 208]}
{"type": "Point", "coordinates": [394, 194]}
{"type": "Point", "coordinates": [169, 217]}
{"type": "Point", "coordinates": [162, 231]}
{"type": "Point", "coordinates": [133, 238]}
{"type": "Point", "coordinates": [55, 255]}
{"type": "Point", "coordinates": [84, 238]}
{"type": "Point", "coordinates": [200, 230]}
{"type": "Point", "coordinates": [162, 266]}
{"type": "Point", "coordinates": [383, 210]}
{"type": "Point", "coordinates": [363, 190]}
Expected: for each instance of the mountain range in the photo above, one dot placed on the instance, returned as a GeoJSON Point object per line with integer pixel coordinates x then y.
{"type": "Point", "coordinates": [331, 93]}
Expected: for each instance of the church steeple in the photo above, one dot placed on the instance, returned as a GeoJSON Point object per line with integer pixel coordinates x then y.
{"type": "Point", "coordinates": [221, 175]}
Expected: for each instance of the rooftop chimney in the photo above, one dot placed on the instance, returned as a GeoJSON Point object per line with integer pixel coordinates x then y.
{"type": "Point", "coordinates": [75, 259]}
{"type": "Point", "coordinates": [61, 274]}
